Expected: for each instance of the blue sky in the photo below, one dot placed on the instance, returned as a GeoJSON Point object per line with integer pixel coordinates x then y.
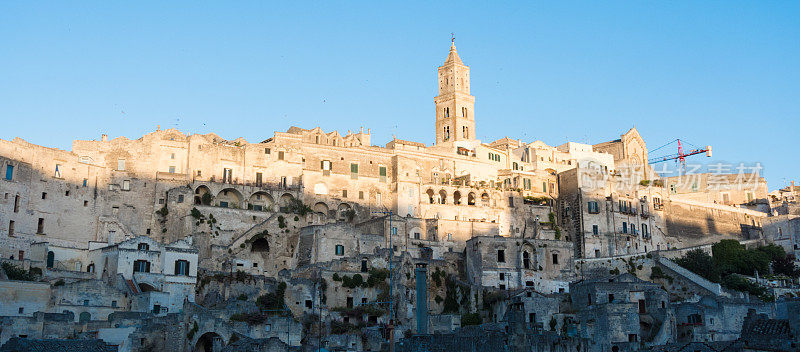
{"type": "Point", "coordinates": [723, 73]}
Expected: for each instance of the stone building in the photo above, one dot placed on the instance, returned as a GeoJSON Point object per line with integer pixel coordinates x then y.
{"type": "Point", "coordinates": [714, 318]}
{"type": "Point", "coordinates": [622, 310]}
{"type": "Point", "coordinates": [158, 276]}
{"type": "Point", "coordinates": [512, 263]}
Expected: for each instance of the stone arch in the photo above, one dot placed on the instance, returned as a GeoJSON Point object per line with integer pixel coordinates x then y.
{"type": "Point", "coordinates": [261, 201]}
{"type": "Point", "coordinates": [147, 287]}
{"type": "Point", "coordinates": [485, 199]}
{"type": "Point", "coordinates": [229, 198]}
{"type": "Point", "coordinates": [285, 200]}
{"type": "Point", "coordinates": [260, 245]}
{"type": "Point", "coordinates": [321, 207]}
{"type": "Point", "coordinates": [442, 197]}
{"type": "Point", "coordinates": [471, 198]}
{"type": "Point", "coordinates": [85, 317]}
{"type": "Point", "coordinates": [457, 198]}
{"type": "Point", "coordinates": [342, 210]}
{"type": "Point", "coordinates": [430, 194]}
{"type": "Point", "coordinates": [200, 193]}
{"type": "Point", "coordinates": [209, 342]}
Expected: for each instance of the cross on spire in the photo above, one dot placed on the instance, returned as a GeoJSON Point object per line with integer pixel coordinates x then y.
{"type": "Point", "coordinates": [452, 37]}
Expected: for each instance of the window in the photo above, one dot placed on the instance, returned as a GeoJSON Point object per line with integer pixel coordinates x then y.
{"type": "Point", "coordinates": [172, 169]}
{"type": "Point", "coordinates": [143, 247]}
{"type": "Point", "coordinates": [141, 266]}
{"type": "Point", "coordinates": [502, 276]}
{"type": "Point", "coordinates": [624, 227]}
{"type": "Point", "coordinates": [465, 129]}
{"type": "Point", "coordinates": [280, 155]}
{"type": "Point", "coordinates": [9, 172]}
{"type": "Point", "coordinates": [354, 171]}
{"type": "Point", "coordinates": [113, 304]}
{"type": "Point", "coordinates": [259, 179]}
{"type": "Point", "coordinates": [227, 175]}
{"type": "Point", "coordinates": [21, 310]}
{"type": "Point", "coordinates": [126, 185]}
{"type": "Point", "coordinates": [360, 194]}
{"type": "Point", "coordinates": [266, 151]}
{"type": "Point", "coordinates": [595, 230]}
{"type": "Point", "coordinates": [66, 194]}
{"type": "Point", "coordinates": [511, 201]}
{"type": "Point", "coordinates": [501, 256]}
{"type": "Point", "coordinates": [364, 266]}
{"type": "Point", "coordinates": [58, 171]}
{"type": "Point", "coordinates": [11, 227]}
{"type": "Point", "coordinates": [172, 156]}
{"type": "Point", "coordinates": [610, 297]}
{"type": "Point", "coordinates": [16, 203]}
{"type": "Point", "coordinates": [344, 193]}
{"type": "Point", "coordinates": [44, 195]}
{"type": "Point", "coordinates": [180, 198]}
{"type": "Point", "coordinates": [382, 173]}
{"type": "Point", "coordinates": [339, 249]}
{"type": "Point", "coordinates": [182, 267]}
{"type": "Point", "coordinates": [121, 164]}
{"type": "Point", "coordinates": [85, 302]}
{"type": "Point", "coordinates": [325, 166]}
{"type": "Point", "coordinates": [593, 207]}
{"type": "Point", "coordinates": [85, 182]}
{"type": "Point", "coordinates": [555, 258]}
{"type": "Point", "coordinates": [544, 187]}
{"type": "Point", "coordinates": [40, 226]}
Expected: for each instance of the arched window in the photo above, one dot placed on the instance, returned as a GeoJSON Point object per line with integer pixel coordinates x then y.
{"type": "Point", "coordinates": [143, 247]}
{"type": "Point", "coordinates": [182, 267]}
{"type": "Point", "coordinates": [447, 112]}
{"type": "Point", "coordinates": [51, 259]}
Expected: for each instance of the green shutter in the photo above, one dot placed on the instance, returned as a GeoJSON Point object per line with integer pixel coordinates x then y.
{"type": "Point", "coordinates": [354, 168]}
{"type": "Point", "coordinates": [382, 171]}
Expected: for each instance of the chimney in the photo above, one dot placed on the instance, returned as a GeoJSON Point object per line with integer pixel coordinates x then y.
{"type": "Point", "coordinates": [422, 298]}
{"type": "Point", "coordinates": [104, 138]}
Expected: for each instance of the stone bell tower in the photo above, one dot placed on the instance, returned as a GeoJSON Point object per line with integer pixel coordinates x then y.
{"type": "Point", "coordinates": [455, 117]}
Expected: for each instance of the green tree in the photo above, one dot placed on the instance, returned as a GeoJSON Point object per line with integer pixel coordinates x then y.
{"type": "Point", "coordinates": [700, 263]}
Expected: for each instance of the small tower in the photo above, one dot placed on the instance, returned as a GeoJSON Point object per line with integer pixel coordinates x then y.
{"type": "Point", "coordinates": [455, 117]}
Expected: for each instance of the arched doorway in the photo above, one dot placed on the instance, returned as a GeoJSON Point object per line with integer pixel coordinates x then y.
{"type": "Point", "coordinates": [345, 212]}
{"type": "Point", "coordinates": [430, 196]}
{"type": "Point", "coordinates": [85, 317]}
{"type": "Point", "coordinates": [209, 342]}
{"type": "Point", "coordinates": [442, 197]}
{"type": "Point", "coordinates": [146, 287]}
{"type": "Point", "coordinates": [202, 196]}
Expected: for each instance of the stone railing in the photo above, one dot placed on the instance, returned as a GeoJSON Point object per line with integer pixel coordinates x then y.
{"type": "Point", "coordinates": [698, 280]}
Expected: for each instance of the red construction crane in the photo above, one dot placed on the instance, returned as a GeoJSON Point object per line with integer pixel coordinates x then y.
{"type": "Point", "coordinates": [680, 156]}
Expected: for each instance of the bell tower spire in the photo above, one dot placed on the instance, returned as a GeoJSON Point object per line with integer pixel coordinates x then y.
{"type": "Point", "coordinates": [455, 118]}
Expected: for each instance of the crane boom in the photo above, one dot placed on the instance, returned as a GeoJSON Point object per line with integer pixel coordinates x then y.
{"type": "Point", "coordinates": [680, 156]}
